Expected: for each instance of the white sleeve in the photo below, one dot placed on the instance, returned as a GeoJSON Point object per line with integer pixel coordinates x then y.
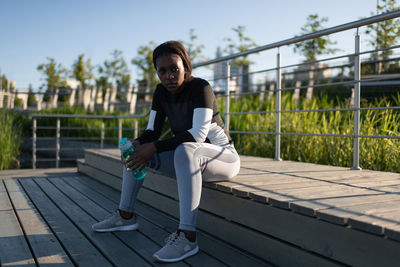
{"type": "Point", "coordinates": [152, 117]}
{"type": "Point", "coordinates": [201, 124]}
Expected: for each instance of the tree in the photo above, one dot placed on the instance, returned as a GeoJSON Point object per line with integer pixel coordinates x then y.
{"type": "Point", "coordinates": [4, 82]}
{"type": "Point", "coordinates": [385, 33]}
{"type": "Point", "coordinates": [114, 71]}
{"type": "Point", "coordinates": [193, 50]}
{"type": "Point", "coordinates": [144, 61]}
{"type": "Point", "coordinates": [56, 75]}
{"type": "Point", "coordinates": [243, 43]}
{"type": "Point", "coordinates": [310, 49]}
{"type": "Point", "coordinates": [82, 71]}
{"type": "Point", "coordinates": [31, 97]}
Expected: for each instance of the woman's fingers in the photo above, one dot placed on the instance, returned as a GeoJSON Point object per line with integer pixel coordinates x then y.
{"type": "Point", "coordinates": [135, 163]}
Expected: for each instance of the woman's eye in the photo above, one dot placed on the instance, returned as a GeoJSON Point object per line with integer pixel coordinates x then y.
{"type": "Point", "coordinates": [174, 69]}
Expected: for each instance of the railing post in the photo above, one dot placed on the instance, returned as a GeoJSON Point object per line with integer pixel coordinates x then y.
{"type": "Point", "coordinates": [227, 94]}
{"type": "Point", "coordinates": [58, 143]}
{"type": "Point", "coordinates": [102, 134]}
{"type": "Point", "coordinates": [278, 108]}
{"type": "Point", "coordinates": [356, 120]}
{"type": "Point", "coordinates": [119, 129]}
{"type": "Point", "coordinates": [136, 131]}
{"type": "Point", "coordinates": [34, 144]}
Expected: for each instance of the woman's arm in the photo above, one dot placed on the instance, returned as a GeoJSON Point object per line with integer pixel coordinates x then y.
{"type": "Point", "coordinates": [202, 99]}
{"type": "Point", "coordinates": [144, 144]}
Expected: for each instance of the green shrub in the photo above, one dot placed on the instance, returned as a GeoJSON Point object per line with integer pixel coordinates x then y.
{"type": "Point", "coordinates": [381, 154]}
{"type": "Point", "coordinates": [9, 140]}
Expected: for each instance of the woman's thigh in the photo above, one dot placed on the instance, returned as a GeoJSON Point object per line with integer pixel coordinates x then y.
{"type": "Point", "coordinates": [214, 162]}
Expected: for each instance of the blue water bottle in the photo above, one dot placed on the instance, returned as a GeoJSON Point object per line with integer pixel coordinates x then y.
{"type": "Point", "coordinates": [127, 149]}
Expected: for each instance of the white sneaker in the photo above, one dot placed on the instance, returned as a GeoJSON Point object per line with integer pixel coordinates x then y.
{"type": "Point", "coordinates": [116, 223]}
{"type": "Point", "coordinates": [177, 248]}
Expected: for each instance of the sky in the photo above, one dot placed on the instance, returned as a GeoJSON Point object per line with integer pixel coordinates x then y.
{"type": "Point", "coordinates": [31, 31]}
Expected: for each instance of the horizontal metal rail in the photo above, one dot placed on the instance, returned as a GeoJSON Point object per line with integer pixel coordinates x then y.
{"type": "Point", "coordinates": [297, 39]}
{"type": "Point", "coordinates": [58, 138]}
{"type": "Point", "coordinates": [357, 81]}
{"type": "Point", "coordinates": [311, 110]}
{"type": "Point", "coordinates": [38, 115]}
{"type": "Point", "coordinates": [316, 134]}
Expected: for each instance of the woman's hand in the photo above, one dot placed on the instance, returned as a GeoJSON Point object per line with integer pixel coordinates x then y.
{"type": "Point", "coordinates": [136, 144]}
{"type": "Point", "coordinates": [143, 154]}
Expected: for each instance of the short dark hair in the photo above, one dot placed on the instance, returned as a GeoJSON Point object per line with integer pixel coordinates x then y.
{"type": "Point", "coordinates": [174, 47]}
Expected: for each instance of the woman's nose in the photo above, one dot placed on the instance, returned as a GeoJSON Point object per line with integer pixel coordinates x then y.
{"type": "Point", "coordinates": [170, 75]}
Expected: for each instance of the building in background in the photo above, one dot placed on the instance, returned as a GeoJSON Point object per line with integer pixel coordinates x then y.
{"type": "Point", "coordinates": [240, 80]}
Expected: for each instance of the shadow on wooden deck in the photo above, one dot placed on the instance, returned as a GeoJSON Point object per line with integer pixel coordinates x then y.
{"type": "Point", "coordinates": [46, 218]}
{"type": "Point", "coordinates": [287, 213]}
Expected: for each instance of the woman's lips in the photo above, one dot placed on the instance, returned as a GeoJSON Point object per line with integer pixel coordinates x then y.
{"type": "Point", "coordinates": [172, 85]}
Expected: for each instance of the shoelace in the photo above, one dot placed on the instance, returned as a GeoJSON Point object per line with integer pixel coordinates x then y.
{"type": "Point", "coordinates": [171, 237]}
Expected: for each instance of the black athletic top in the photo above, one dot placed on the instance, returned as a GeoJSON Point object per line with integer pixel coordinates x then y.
{"type": "Point", "coordinates": [192, 113]}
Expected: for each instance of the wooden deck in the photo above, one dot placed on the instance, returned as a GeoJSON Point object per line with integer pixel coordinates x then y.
{"type": "Point", "coordinates": [279, 213]}
{"type": "Point", "coordinates": [287, 213]}
{"type": "Point", "coordinates": [46, 217]}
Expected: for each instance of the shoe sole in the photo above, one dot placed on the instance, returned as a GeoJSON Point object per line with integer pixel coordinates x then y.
{"type": "Point", "coordinates": [118, 228]}
{"type": "Point", "coordinates": [188, 254]}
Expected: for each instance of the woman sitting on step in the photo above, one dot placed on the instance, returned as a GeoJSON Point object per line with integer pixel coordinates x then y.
{"type": "Point", "coordinates": [200, 150]}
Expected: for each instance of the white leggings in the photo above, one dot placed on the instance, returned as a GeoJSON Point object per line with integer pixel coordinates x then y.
{"type": "Point", "coordinates": [191, 163]}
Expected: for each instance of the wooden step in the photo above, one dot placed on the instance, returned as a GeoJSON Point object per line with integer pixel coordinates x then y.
{"type": "Point", "coordinates": [319, 214]}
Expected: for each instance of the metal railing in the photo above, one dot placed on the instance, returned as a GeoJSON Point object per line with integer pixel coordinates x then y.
{"type": "Point", "coordinates": [58, 128]}
{"type": "Point", "coordinates": [278, 81]}
{"type": "Point", "coordinates": [357, 80]}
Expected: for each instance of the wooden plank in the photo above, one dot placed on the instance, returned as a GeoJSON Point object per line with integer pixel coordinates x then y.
{"type": "Point", "coordinates": [106, 178]}
{"type": "Point", "coordinates": [284, 198]}
{"type": "Point", "coordinates": [85, 189]}
{"type": "Point", "coordinates": [319, 172]}
{"type": "Point", "coordinates": [309, 207]}
{"type": "Point", "coordinates": [134, 239]}
{"type": "Point", "coordinates": [305, 232]}
{"type": "Point", "coordinates": [107, 243]}
{"type": "Point", "coordinates": [389, 189]}
{"type": "Point", "coordinates": [113, 153]}
{"type": "Point", "coordinates": [161, 183]}
{"type": "Point", "coordinates": [156, 234]}
{"type": "Point", "coordinates": [243, 237]}
{"type": "Point", "coordinates": [292, 235]}
{"type": "Point", "coordinates": [18, 173]}
{"type": "Point", "coordinates": [81, 250]}
{"type": "Point", "coordinates": [376, 222]}
{"type": "Point", "coordinates": [45, 246]}
{"type": "Point", "coordinates": [393, 231]}
{"type": "Point", "coordinates": [227, 254]}
{"type": "Point", "coordinates": [14, 250]}
{"type": "Point", "coordinates": [104, 162]}
{"type": "Point", "coordinates": [341, 215]}
{"type": "Point", "coordinates": [244, 188]}
{"type": "Point", "coordinates": [215, 247]}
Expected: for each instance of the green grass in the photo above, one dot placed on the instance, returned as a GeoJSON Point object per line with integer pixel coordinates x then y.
{"type": "Point", "coordinates": [9, 140]}
{"type": "Point", "coordinates": [375, 154]}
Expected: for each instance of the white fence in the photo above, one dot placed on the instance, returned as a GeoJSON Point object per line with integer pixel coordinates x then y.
{"type": "Point", "coordinates": [89, 98]}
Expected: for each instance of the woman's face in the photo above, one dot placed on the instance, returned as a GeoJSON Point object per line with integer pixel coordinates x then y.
{"type": "Point", "coordinates": [171, 72]}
